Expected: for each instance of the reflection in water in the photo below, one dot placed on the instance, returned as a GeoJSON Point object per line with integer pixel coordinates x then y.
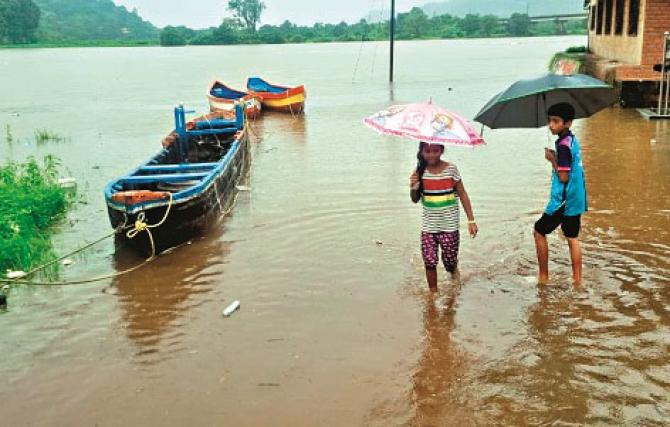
{"type": "Point", "coordinates": [155, 297]}
{"type": "Point", "coordinates": [601, 354]}
{"type": "Point", "coordinates": [273, 125]}
{"type": "Point", "coordinates": [437, 396]}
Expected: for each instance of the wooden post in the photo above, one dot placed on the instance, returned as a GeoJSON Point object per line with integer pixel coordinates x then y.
{"type": "Point", "coordinates": [666, 56]}
{"type": "Point", "coordinates": [663, 74]}
{"type": "Point", "coordinates": [391, 39]}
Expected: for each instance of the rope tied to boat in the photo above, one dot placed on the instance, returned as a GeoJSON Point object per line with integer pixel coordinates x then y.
{"type": "Point", "coordinates": [139, 226]}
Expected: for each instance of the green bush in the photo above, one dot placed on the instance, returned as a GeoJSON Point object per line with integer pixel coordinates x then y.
{"type": "Point", "coordinates": [576, 49]}
{"type": "Point", "coordinates": [30, 201]}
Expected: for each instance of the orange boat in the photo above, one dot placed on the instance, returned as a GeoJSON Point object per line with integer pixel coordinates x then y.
{"type": "Point", "coordinates": [275, 97]}
{"type": "Point", "coordinates": [222, 98]}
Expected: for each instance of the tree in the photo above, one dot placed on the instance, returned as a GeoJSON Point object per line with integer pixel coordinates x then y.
{"type": "Point", "coordinates": [414, 23]}
{"type": "Point", "coordinates": [518, 25]}
{"type": "Point", "coordinates": [488, 25]}
{"type": "Point", "coordinates": [248, 11]}
{"type": "Point", "coordinates": [270, 35]}
{"type": "Point", "coordinates": [227, 32]}
{"type": "Point", "coordinates": [171, 36]}
{"type": "Point", "coordinates": [471, 25]}
{"type": "Point", "coordinates": [18, 20]}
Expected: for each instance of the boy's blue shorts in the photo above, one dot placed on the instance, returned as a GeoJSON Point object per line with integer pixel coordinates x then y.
{"type": "Point", "coordinates": [570, 225]}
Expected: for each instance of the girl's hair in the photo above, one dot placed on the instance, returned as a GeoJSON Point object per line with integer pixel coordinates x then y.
{"type": "Point", "coordinates": [421, 165]}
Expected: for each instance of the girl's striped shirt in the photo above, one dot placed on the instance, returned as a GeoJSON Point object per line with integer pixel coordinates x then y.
{"type": "Point", "coordinates": [440, 200]}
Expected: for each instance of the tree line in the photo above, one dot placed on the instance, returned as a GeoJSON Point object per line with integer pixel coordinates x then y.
{"type": "Point", "coordinates": [243, 28]}
{"type": "Point", "coordinates": [99, 21]}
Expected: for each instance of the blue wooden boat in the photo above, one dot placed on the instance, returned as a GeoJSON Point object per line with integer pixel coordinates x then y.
{"type": "Point", "coordinates": [223, 98]}
{"type": "Point", "coordinates": [176, 194]}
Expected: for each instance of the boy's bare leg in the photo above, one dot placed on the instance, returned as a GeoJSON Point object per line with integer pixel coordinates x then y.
{"type": "Point", "coordinates": [431, 278]}
{"type": "Point", "coordinates": [542, 249]}
{"type": "Point", "coordinates": [576, 258]}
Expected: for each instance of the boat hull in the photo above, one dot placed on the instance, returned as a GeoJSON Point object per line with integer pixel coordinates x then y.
{"type": "Point", "coordinates": [278, 98]}
{"type": "Point", "coordinates": [292, 104]}
{"type": "Point", "coordinates": [187, 219]}
{"type": "Point", "coordinates": [222, 98]}
{"type": "Point", "coordinates": [251, 104]}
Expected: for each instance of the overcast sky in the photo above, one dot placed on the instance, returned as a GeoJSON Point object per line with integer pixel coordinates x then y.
{"type": "Point", "coordinates": [207, 13]}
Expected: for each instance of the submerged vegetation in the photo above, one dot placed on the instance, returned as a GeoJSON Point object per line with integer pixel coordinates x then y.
{"type": "Point", "coordinates": [41, 136]}
{"type": "Point", "coordinates": [9, 138]}
{"type": "Point", "coordinates": [44, 135]}
{"type": "Point", "coordinates": [30, 201]}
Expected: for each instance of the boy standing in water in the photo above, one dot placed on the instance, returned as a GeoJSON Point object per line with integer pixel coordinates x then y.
{"type": "Point", "coordinates": [567, 201]}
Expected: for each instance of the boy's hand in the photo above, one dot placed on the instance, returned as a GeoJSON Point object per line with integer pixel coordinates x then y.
{"type": "Point", "coordinates": [414, 181]}
{"type": "Point", "coordinates": [550, 155]}
{"type": "Point", "coordinates": [473, 229]}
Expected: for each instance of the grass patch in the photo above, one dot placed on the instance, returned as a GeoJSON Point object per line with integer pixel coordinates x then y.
{"type": "Point", "coordinates": [42, 136]}
{"type": "Point", "coordinates": [9, 138]}
{"type": "Point", "coordinates": [30, 201]}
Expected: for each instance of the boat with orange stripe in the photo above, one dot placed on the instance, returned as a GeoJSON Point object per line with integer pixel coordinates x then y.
{"type": "Point", "coordinates": [186, 186]}
{"type": "Point", "coordinates": [276, 97]}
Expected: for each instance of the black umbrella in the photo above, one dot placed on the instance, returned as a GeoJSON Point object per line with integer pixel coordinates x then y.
{"type": "Point", "coordinates": [525, 103]}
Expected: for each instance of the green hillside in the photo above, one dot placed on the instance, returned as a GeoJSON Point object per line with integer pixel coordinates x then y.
{"type": "Point", "coordinates": [88, 20]}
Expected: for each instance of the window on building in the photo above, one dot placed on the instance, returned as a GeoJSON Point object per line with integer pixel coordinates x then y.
{"type": "Point", "coordinates": [599, 23]}
{"type": "Point", "coordinates": [593, 18]}
{"type": "Point", "coordinates": [633, 16]}
{"type": "Point", "coordinates": [608, 17]}
{"type": "Point", "coordinates": [618, 23]}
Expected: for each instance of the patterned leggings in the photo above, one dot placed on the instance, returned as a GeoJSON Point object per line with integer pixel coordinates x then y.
{"type": "Point", "coordinates": [448, 241]}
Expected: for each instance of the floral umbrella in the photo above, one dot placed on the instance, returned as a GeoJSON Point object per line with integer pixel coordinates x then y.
{"type": "Point", "coordinates": [425, 121]}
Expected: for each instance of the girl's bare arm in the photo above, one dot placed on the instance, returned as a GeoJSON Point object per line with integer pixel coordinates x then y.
{"type": "Point", "coordinates": [414, 187]}
{"type": "Point", "coordinates": [467, 207]}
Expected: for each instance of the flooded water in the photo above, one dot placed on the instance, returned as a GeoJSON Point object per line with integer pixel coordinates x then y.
{"type": "Point", "coordinates": [335, 325]}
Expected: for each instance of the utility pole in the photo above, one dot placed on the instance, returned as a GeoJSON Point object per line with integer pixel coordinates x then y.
{"type": "Point", "coordinates": [391, 39]}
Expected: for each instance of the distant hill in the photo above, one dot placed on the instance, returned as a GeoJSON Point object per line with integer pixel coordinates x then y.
{"type": "Point", "coordinates": [500, 8]}
{"type": "Point", "coordinates": [85, 20]}
{"type": "Point", "coordinates": [504, 8]}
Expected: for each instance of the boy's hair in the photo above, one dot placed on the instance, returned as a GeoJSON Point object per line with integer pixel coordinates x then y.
{"type": "Point", "coordinates": [563, 110]}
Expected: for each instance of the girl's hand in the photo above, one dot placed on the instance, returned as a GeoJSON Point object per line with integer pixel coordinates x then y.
{"type": "Point", "coordinates": [414, 181]}
{"type": "Point", "coordinates": [473, 229]}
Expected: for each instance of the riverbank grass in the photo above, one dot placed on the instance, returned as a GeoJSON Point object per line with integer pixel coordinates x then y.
{"type": "Point", "coordinates": [30, 202]}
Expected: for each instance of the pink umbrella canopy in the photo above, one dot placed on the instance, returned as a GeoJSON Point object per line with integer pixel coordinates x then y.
{"type": "Point", "coordinates": [425, 121]}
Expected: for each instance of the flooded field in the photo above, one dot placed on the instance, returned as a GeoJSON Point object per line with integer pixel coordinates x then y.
{"type": "Point", "coordinates": [336, 327]}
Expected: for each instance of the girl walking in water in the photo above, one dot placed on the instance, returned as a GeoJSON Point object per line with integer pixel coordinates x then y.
{"type": "Point", "coordinates": [438, 185]}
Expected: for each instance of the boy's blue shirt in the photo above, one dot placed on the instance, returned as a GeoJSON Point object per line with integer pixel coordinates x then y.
{"type": "Point", "coordinates": [570, 195]}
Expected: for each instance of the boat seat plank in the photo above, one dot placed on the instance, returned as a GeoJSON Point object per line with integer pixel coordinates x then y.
{"type": "Point", "coordinates": [213, 131]}
{"type": "Point", "coordinates": [177, 167]}
{"type": "Point", "coordinates": [145, 179]}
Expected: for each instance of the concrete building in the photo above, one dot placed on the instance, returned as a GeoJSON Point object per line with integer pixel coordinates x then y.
{"type": "Point", "coordinates": [625, 41]}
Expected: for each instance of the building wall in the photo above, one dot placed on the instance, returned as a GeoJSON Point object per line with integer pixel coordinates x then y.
{"type": "Point", "coordinates": [636, 53]}
{"type": "Point", "coordinates": [657, 22]}
{"type": "Point", "coordinates": [624, 48]}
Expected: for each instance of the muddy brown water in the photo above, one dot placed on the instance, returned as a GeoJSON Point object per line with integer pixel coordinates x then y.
{"type": "Point", "coordinates": [334, 328]}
